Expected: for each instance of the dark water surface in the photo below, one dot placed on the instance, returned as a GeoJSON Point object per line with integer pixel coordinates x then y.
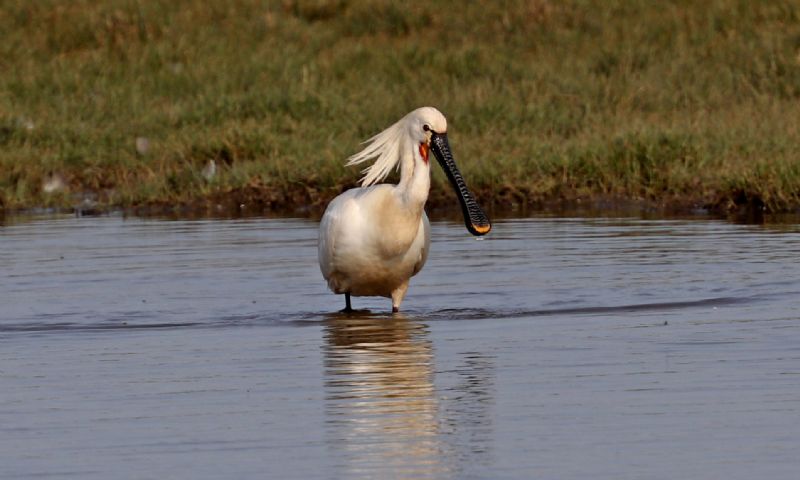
{"type": "Point", "coordinates": [555, 348]}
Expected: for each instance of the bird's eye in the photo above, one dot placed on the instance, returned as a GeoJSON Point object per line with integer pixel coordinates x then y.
{"type": "Point", "coordinates": [426, 127]}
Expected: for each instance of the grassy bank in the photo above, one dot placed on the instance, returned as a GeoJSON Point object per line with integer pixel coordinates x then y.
{"type": "Point", "coordinates": [674, 102]}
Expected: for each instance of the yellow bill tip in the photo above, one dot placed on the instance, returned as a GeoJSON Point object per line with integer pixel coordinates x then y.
{"type": "Point", "coordinates": [481, 229]}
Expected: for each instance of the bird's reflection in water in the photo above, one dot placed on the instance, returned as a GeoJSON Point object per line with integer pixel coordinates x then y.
{"type": "Point", "coordinates": [382, 408]}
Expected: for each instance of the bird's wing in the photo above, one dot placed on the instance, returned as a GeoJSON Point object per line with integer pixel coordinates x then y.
{"type": "Point", "coordinates": [342, 214]}
{"type": "Point", "coordinates": [425, 231]}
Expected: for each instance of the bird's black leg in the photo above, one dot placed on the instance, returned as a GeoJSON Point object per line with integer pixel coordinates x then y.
{"type": "Point", "coordinates": [347, 307]}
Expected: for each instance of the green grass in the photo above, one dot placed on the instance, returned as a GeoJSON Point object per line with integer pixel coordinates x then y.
{"type": "Point", "coordinates": [673, 102]}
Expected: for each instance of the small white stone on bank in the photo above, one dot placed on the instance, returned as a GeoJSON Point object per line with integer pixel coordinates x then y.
{"type": "Point", "coordinates": [209, 170]}
{"type": "Point", "coordinates": [53, 183]}
{"type": "Point", "coordinates": [142, 145]}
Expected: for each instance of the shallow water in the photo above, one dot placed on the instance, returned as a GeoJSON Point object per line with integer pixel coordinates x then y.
{"type": "Point", "coordinates": [554, 348]}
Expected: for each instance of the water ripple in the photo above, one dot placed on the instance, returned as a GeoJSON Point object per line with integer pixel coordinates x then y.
{"type": "Point", "coordinates": [139, 321]}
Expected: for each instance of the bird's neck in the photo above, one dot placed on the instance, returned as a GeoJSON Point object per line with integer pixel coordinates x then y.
{"type": "Point", "coordinates": [415, 179]}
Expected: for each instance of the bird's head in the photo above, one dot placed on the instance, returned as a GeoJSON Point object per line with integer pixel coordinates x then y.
{"type": "Point", "coordinates": [428, 127]}
{"type": "Point", "coordinates": [423, 123]}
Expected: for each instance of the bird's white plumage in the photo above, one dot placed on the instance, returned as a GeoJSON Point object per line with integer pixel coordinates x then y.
{"type": "Point", "coordinates": [386, 146]}
{"type": "Point", "coordinates": [373, 239]}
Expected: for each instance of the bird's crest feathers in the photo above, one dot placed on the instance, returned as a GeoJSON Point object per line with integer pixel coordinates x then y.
{"type": "Point", "coordinates": [385, 149]}
{"type": "Point", "coordinates": [386, 146]}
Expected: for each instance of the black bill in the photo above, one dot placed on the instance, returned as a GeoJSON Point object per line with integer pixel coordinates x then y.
{"type": "Point", "coordinates": [474, 218]}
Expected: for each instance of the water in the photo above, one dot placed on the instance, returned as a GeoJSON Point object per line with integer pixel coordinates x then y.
{"type": "Point", "coordinates": [555, 348]}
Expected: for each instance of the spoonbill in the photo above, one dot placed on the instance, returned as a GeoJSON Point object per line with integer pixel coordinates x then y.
{"type": "Point", "coordinates": [374, 238]}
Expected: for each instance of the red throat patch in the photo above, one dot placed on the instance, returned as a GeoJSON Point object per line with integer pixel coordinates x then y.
{"type": "Point", "coordinates": [423, 150]}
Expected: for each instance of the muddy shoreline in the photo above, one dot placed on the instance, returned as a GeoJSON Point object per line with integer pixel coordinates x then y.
{"type": "Point", "coordinates": [307, 202]}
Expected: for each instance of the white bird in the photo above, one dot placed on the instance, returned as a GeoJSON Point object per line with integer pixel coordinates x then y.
{"type": "Point", "coordinates": [373, 239]}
